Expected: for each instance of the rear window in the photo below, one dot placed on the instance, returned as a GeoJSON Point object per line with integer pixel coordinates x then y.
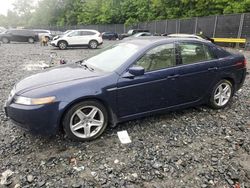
{"type": "Point", "coordinates": [194, 52]}
{"type": "Point", "coordinates": [87, 33]}
{"type": "Point", "coordinates": [22, 32]}
{"type": "Point", "coordinates": [220, 53]}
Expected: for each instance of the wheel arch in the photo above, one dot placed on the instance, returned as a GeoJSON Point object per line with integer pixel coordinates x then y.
{"type": "Point", "coordinates": [62, 40]}
{"type": "Point", "coordinates": [231, 80]}
{"type": "Point", "coordinates": [31, 37]}
{"type": "Point", "coordinates": [112, 119]}
{"type": "Point", "coordinates": [8, 38]}
{"type": "Point", "coordinates": [93, 40]}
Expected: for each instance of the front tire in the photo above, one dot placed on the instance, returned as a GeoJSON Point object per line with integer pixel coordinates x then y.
{"type": "Point", "coordinates": [62, 45]}
{"type": "Point", "coordinates": [221, 94]}
{"type": "Point", "coordinates": [93, 44]}
{"type": "Point", "coordinates": [85, 121]}
{"type": "Point", "coordinates": [5, 40]}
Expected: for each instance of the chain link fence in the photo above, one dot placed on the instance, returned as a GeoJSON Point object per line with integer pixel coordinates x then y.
{"type": "Point", "coordinates": [226, 26]}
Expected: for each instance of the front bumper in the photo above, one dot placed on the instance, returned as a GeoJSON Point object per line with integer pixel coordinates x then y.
{"type": "Point", "coordinates": [38, 119]}
{"type": "Point", "coordinates": [53, 44]}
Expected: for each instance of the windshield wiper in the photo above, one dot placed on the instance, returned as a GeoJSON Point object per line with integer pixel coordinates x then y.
{"type": "Point", "coordinates": [83, 64]}
{"type": "Point", "coordinates": [87, 67]}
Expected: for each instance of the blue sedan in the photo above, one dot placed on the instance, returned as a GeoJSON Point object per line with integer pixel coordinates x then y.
{"type": "Point", "coordinates": [129, 80]}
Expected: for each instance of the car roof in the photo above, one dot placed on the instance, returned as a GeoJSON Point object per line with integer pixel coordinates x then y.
{"type": "Point", "coordinates": [27, 30]}
{"type": "Point", "coordinates": [183, 35]}
{"type": "Point", "coordinates": [139, 30]}
{"type": "Point", "coordinates": [142, 42]}
{"type": "Point", "coordinates": [143, 33]}
{"type": "Point", "coordinates": [41, 30]}
{"type": "Point", "coordinates": [85, 30]}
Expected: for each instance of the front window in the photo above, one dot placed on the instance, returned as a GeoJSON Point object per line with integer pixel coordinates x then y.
{"type": "Point", "coordinates": [74, 34]}
{"type": "Point", "coordinates": [160, 57]}
{"type": "Point", "coordinates": [113, 57]}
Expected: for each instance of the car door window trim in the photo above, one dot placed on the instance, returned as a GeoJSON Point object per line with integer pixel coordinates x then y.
{"type": "Point", "coordinates": [152, 71]}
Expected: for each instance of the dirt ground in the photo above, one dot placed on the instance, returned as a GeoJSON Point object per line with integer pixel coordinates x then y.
{"type": "Point", "coordinates": [196, 147]}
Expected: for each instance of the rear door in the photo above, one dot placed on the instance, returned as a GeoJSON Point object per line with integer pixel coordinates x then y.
{"type": "Point", "coordinates": [80, 37]}
{"type": "Point", "coordinates": [87, 36]}
{"type": "Point", "coordinates": [26, 34]}
{"type": "Point", "coordinates": [22, 35]}
{"type": "Point", "coordinates": [197, 71]}
{"type": "Point", "coordinates": [16, 36]}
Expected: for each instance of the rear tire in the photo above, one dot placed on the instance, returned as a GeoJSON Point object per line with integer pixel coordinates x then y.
{"type": "Point", "coordinates": [85, 121]}
{"type": "Point", "coordinates": [221, 94]}
{"type": "Point", "coordinates": [62, 45]}
{"type": "Point", "coordinates": [31, 40]}
{"type": "Point", "coordinates": [5, 40]}
{"type": "Point", "coordinates": [93, 44]}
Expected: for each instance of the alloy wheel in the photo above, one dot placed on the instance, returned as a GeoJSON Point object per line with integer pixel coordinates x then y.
{"type": "Point", "coordinates": [62, 45]}
{"type": "Point", "coordinates": [86, 122]}
{"type": "Point", "coordinates": [222, 94]}
{"type": "Point", "coordinates": [93, 44]}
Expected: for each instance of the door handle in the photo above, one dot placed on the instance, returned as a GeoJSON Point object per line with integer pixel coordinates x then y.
{"type": "Point", "coordinates": [212, 68]}
{"type": "Point", "coordinates": [173, 76]}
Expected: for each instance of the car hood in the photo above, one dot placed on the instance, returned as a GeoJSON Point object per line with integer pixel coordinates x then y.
{"type": "Point", "coordinates": [64, 73]}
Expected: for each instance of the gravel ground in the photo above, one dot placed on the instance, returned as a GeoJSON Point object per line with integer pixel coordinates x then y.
{"type": "Point", "coordinates": [196, 147]}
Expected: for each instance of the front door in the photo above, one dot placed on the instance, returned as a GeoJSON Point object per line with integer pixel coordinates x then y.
{"type": "Point", "coordinates": [74, 38]}
{"type": "Point", "coordinates": [152, 90]}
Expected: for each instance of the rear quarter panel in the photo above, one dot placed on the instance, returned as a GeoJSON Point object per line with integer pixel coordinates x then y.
{"type": "Point", "coordinates": [232, 68]}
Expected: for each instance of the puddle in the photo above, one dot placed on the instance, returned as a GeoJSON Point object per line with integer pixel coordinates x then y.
{"type": "Point", "coordinates": [37, 65]}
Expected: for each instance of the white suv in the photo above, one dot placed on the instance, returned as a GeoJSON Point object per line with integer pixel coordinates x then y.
{"type": "Point", "coordinates": [80, 37]}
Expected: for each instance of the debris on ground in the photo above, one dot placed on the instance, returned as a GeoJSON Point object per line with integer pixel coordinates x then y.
{"type": "Point", "coordinates": [124, 137]}
{"type": "Point", "coordinates": [5, 178]}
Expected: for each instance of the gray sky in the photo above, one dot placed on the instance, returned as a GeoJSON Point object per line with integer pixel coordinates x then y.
{"type": "Point", "coordinates": [5, 5]}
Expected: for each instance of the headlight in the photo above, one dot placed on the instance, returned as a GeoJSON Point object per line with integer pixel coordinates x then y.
{"type": "Point", "coordinates": [12, 93]}
{"type": "Point", "coordinates": [56, 37]}
{"type": "Point", "coordinates": [33, 101]}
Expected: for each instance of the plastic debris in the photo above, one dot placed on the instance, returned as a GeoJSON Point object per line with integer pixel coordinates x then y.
{"type": "Point", "coordinates": [5, 177]}
{"type": "Point", "coordinates": [78, 169]}
{"type": "Point", "coordinates": [124, 137]}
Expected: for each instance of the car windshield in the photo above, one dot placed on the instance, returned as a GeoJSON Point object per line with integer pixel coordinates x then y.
{"type": "Point", "coordinates": [141, 34]}
{"type": "Point", "coordinates": [137, 34]}
{"type": "Point", "coordinates": [113, 57]}
{"type": "Point", "coordinates": [67, 32]}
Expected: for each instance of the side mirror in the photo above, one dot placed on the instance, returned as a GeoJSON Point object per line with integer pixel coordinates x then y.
{"type": "Point", "coordinates": [134, 71]}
